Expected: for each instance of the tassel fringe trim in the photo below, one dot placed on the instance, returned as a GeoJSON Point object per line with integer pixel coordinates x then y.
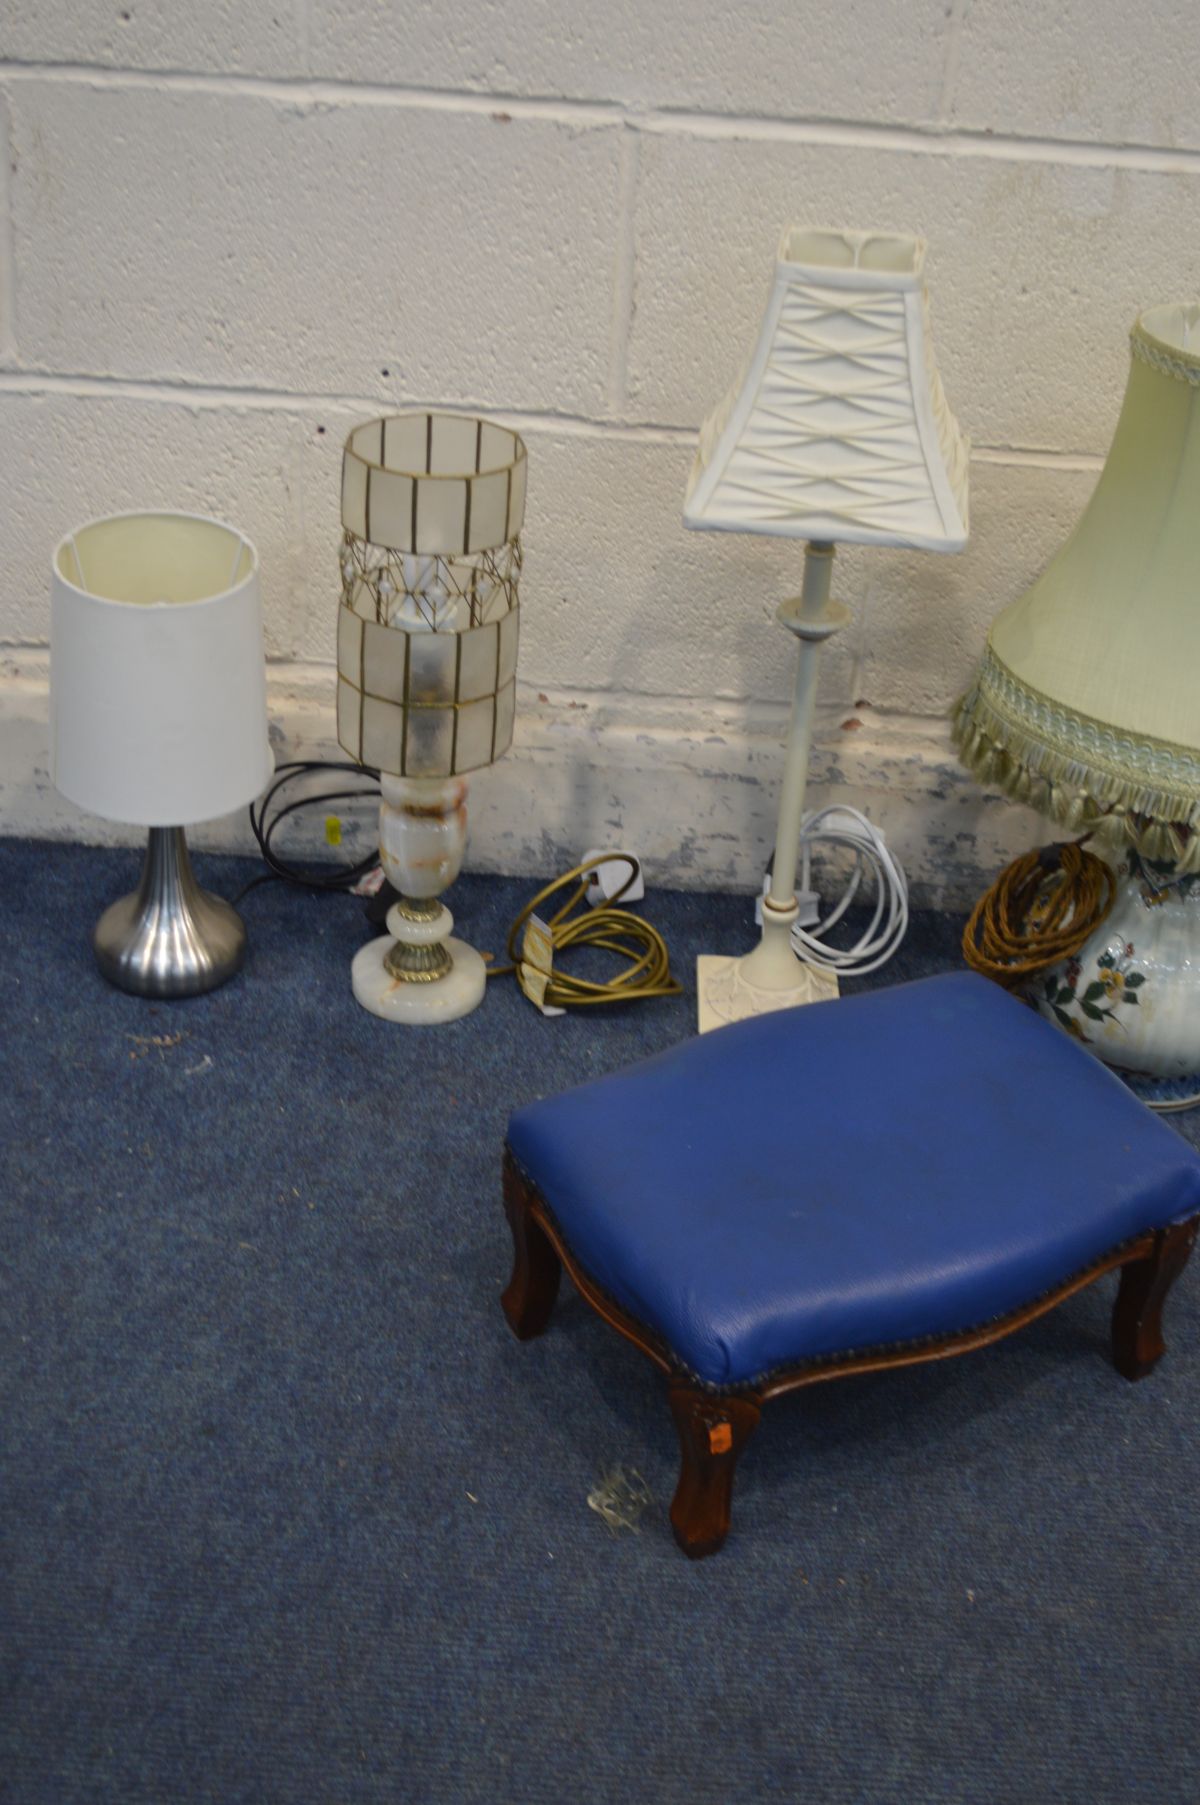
{"type": "Point", "coordinates": [1078, 772]}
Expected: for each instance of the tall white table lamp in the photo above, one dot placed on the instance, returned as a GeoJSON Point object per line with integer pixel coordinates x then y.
{"type": "Point", "coordinates": [158, 716]}
{"type": "Point", "coordinates": [837, 429]}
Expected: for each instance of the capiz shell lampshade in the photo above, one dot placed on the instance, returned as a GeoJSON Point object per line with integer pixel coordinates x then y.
{"type": "Point", "coordinates": [432, 509]}
{"type": "Point", "coordinates": [1087, 701]}
{"type": "Point", "coordinates": [838, 427]}
{"type": "Point", "coordinates": [158, 702]}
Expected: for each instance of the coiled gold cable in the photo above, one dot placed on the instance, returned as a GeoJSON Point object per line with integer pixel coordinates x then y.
{"type": "Point", "coordinates": [612, 930]}
{"type": "Point", "coordinates": [1038, 912]}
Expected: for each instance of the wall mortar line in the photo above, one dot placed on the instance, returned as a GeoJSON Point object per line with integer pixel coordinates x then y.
{"type": "Point", "coordinates": [624, 273]}
{"type": "Point", "coordinates": [284, 401]}
{"type": "Point", "coordinates": [318, 92]}
{"type": "Point", "coordinates": [8, 247]}
{"type": "Point", "coordinates": [302, 18]}
{"type": "Point", "coordinates": [182, 393]}
{"type": "Point", "coordinates": [931, 139]}
{"type": "Point", "coordinates": [954, 36]}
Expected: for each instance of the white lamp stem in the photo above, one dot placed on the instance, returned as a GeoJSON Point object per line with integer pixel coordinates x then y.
{"type": "Point", "coordinates": [812, 616]}
{"type": "Point", "coordinates": [808, 610]}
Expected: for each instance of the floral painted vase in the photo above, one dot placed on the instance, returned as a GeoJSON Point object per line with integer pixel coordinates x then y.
{"type": "Point", "coordinates": [1132, 992]}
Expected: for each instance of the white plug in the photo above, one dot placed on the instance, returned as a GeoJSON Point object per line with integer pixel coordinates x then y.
{"type": "Point", "coordinates": [604, 882]}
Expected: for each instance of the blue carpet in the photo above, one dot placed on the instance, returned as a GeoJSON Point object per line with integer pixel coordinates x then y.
{"type": "Point", "coordinates": [288, 1515]}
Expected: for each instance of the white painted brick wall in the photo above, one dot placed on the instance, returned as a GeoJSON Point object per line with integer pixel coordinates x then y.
{"type": "Point", "coordinates": [1036, 268]}
{"type": "Point", "coordinates": [756, 56]}
{"type": "Point", "coordinates": [1080, 71]}
{"type": "Point", "coordinates": [251, 242]}
{"type": "Point", "coordinates": [227, 232]}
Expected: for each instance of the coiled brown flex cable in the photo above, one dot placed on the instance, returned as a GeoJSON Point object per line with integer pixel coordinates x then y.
{"type": "Point", "coordinates": [1038, 912]}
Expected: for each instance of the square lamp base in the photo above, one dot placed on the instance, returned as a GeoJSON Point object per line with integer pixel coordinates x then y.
{"type": "Point", "coordinates": [723, 995]}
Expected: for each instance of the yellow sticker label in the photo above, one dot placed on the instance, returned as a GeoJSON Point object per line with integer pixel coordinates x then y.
{"type": "Point", "coordinates": [333, 830]}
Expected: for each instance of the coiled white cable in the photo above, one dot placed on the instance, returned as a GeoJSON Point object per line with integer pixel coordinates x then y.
{"type": "Point", "coordinates": [838, 825]}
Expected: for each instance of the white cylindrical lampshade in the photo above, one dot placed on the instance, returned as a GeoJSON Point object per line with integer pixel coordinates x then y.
{"type": "Point", "coordinates": [158, 703]}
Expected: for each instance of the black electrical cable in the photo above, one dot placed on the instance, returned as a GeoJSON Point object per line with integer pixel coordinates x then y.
{"type": "Point", "coordinates": [264, 829]}
{"type": "Point", "coordinates": [268, 877]}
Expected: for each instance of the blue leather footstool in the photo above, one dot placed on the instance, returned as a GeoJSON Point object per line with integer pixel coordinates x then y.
{"type": "Point", "coordinates": [895, 1177]}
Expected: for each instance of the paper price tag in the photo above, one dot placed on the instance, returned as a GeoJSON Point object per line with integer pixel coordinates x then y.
{"type": "Point", "coordinates": [537, 965]}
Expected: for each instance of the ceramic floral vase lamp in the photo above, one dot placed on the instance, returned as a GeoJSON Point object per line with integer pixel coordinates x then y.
{"type": "Point", "coordinates": [1132, 992]}
{"type": "Point", "coordinates": [1085, 706]}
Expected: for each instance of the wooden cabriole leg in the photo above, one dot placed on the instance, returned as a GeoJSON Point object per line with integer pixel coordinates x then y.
{"type": "Point", "coordinates": [713, 1430]}
{"type": "Point", "coordinates": [1137, 1315]}
{"type": "Point", "coordinates": [537, 1269]}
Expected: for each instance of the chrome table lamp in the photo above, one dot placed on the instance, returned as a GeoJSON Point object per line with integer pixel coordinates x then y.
{"type": "Point", "coordinates": [432, 507]}
{"type": "Point", "coordinates": [158, 717]}
{"type": "Point", "coordinates": [1085, 707]}
{"type": "Point", "coordinates": [837, 429]}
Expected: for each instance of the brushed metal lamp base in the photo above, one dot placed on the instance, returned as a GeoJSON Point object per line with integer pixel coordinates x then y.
{"type": "Point", "coordinates": [169, 938]}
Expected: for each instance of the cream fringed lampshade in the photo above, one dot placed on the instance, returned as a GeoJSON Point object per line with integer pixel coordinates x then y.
{"type": "Point", "coordinates": [838, 428]}
{"type": "Point", "coordinates": [1087, 701]}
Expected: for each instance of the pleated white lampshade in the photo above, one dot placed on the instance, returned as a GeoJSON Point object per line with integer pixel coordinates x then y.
{"type": "Point", "coordinates": [158, 685]}
{"type": "Point", "coordinates": [838, 427]}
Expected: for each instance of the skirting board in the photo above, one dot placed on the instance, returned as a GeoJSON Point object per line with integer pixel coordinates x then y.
{"type": "Point", "coordinates": [696, 799]}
